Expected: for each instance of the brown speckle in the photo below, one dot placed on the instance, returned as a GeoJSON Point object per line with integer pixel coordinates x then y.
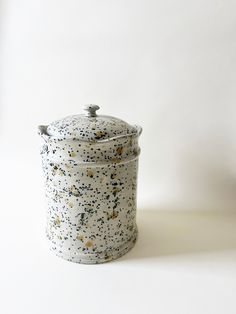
{"type": "Point", "coordinates": [89, 244]}
{"type": "Point", "coordinates": [119, 150]}
{"type": "Point", "coordinates": [57, 221]}
{"type": "Point", "coordinates": [99, 134]}
{"type": "Point", "coordinates": [108, 258]}
{"type": "Point", "coordinates": [116, 190]}
{"type": "Point", "coordinates": [80, 237]}
{"type": "Point", "coordinates": [115, 160]}
{"type": "Point", "coordinates": [114, 215]}
{"type": "Point", "coordinates": [90, 173]}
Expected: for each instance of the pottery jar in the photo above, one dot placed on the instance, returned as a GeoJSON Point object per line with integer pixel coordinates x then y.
{"type": "Point", "coordinates": [90, 165]}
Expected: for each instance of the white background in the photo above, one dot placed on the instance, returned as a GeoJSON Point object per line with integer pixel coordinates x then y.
{"type": "Point", "coordinates": [167, 65]}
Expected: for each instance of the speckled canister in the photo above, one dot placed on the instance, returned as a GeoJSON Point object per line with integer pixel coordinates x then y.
{"type": "Point", "coordinates": [90, 165]}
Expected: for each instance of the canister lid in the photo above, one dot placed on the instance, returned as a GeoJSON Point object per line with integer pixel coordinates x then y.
{"type": "Point", "coordinates": [90, 126]}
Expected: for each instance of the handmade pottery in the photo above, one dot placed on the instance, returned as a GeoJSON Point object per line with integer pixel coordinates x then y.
{"type": "Point", "coordinates": [90, 165]}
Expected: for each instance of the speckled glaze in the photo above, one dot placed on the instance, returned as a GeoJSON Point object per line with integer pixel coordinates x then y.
{"type": "Point", "coordinates": [90, 167]}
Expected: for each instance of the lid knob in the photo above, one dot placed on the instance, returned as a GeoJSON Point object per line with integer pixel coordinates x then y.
{"type": "Point", "coordinates": [91, 110]}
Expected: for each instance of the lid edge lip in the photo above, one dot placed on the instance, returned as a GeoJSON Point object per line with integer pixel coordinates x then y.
{"type": "Point", "coordinates": [134, 134]}
{"type": "Point", "coordinates": [42, 131]}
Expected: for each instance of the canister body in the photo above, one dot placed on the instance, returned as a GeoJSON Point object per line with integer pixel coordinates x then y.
{"type": "Point", "coordinates": [91, 195]}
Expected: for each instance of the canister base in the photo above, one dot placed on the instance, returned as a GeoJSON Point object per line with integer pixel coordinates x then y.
{"type": "Point", "coordinates": [98, 258]}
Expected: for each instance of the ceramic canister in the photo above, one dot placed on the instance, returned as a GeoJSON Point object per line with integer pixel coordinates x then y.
{"type": "Point", "coordinates": [90, 165]}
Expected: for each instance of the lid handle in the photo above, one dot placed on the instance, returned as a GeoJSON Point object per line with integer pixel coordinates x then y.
{"type": "Point", "coordinates": [91, 110]}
